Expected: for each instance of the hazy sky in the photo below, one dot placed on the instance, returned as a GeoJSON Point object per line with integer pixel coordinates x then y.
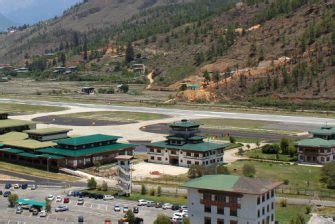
{"type": "Point", "coordinates": [31, 11]}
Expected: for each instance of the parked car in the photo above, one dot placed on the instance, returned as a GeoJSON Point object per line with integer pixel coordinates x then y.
{"type": "Point", "coordinates": [70, 193]}
{"type": "Point", "coordinates": [8, 185]}
{"type": "Point", "coordinates": [80, 201]}
{"type": "Point", "coordinates": [138, 220]}
{"type": "Point", "coordinates": [81, 219]}
{"type": "Point", "coordinates": [184, 213]}
{"type": "Point", "coordinates": [177, 220]}
{"type": "Point", "coordinates": [117, 208]}
{"type": "Point", "coordinates": [17, 186]}
{"type": "Point", "coordinates": [151, 204]}
{"type": "Point", "coordinates": [142, 202]}
{"type": "Point", "coordinates": [125, 209]}
{"type": "Point", "coordinates": [35, 212]}
{"type": "Point", "coordinates": [33, 187]}
{"type": "Point", "coordinates": [19, 210]}
{"type": "Point", "coordinates": [51, 197]}
{"type": "Point", "coordinates": [24, 186]}
{"type": "Point", "coordinates": [61, 208]}
{"type": "Point", "coordinates": [43, 213]}
{"type": "Point", "coordinates": [135, 210]}
{"type": "Point", "coordinates": [77, 194]}
{"type": "Point", "coordinates": [0, 192]}
{"type": "Point", "coordinates": [175, 207]}
{"type": "Point", "coordinates": [108, 197]}
{"type": "Point", "coordinates": [159, 205]}
{"type": "Point", "coordinates": [58, 198]}
{"type": "Point", "coordinates": [183, 207]}
{"type": "Point", "coordinates": [66, 200]}
{"type": "Point", "coordinates": [167, 206]}
{"type": "Point", "coordinates": [6, 194]}
{"type": "Point", "coordinates": [85, 194]}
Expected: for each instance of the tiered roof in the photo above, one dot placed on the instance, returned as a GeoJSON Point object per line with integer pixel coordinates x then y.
{"type": "Point", "coordinates": [84, 140]}
{"type": "Point", "coordinates": [326, 130]}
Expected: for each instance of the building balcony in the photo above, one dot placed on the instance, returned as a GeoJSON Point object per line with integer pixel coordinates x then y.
{"type": "Point", "coordinates": [232, 205]}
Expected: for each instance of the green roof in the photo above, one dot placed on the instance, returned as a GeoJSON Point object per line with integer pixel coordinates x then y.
{"type": "Point", "coordinates": [47, 131]}
{"type": "Point", "coordinates": [10, 136]}
{"type": "Point", "coordinates": [29, 155]}
{"type": "Point", "coordinates": [14, 123]}
{"type": "Point", "coordinates": [11, 150]}
{"type": "Point", "coordinates": [184, 124]}
{"type": "Point", "coordinates": [324, 131]}
{"type": "Point", "coordinates": [316, 142]}
{"type": "Point", "coordinates": [87, 151]}
{"type": "Point", "coordinates": [175, 138]}
{"type": "Point", "coordinates": [201, 147]}
{"type": "Point", "coordinates": [83, 140]}
{"type": "Point", "coordinates": [29, 144]}
{"type": "Point", "coordinates": [196, 138]}
{"type": "Point", "coordinates": [30, 202]}
{"type": "Point", "coordinates": [231, 183]}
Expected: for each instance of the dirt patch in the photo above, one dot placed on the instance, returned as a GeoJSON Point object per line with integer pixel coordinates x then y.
{"type": "Point", "coordinates": [71, 121]}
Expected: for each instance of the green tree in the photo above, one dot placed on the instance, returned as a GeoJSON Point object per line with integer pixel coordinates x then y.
{"type": "Point", "coordinates": [328, 175]}
{"type": "Point", "coordinates": [62, 59]}
{"type": "Point", "coordinates": [131, 217]}
{"type": "Point", "coordinates": [124, 88]}
{"type": "Point", "coordinates": [12, 199]}
{"type": "Point", "coordinates": [162, 219]}
{"type": "Point", "coordinates": [207, 77]}
{"type": "Point", "coordinates": [129, 57]}
{"type": "Point", "coordinates": [152, 191]}
{"type": "Point", "coordinates": [104, 186]}
{"type": "Point", "coordinates": [92, 184]}
{"type": "Point", "coordinates": [195, 171]}
{"type": "Point", "coordinates": [232, 139]}
{"type": "Point", "coordinates": [216, 77]}
{"type": "Point", "coordinates": [199, 58]}
{"type": "Point", "coordinates": [284, 145]}
{"type": "Point", "coordinates": [221, 169]}
{"type": "Point", "coordinates": [186, 221]}
{"type": "Point", "coordinates": [248, 170]}
{"type": "Point", "coordinates": [47, 205]}
{"type": "Point", "coordinates": [143, 189]}
{"type": "Point", "coordinates": [159, 191]}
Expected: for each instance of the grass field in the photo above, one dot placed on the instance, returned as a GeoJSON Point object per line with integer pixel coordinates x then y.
{"type": "Point", "coordinates": [14, 108]}
{"type": "Point", "coordinates": [258, 154]}
{"type": "Point", "coordinates": [295, 174]}
{"type": "Point", "coordinates": [117, 116]}
{"type": "Point", "coordinates": [36, 172]}
{"type": "Point", "coordinates": [285, 214]}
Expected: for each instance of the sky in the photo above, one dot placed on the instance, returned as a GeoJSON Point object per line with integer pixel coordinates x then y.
{"type": "Point", "coordinates": [32, 11]}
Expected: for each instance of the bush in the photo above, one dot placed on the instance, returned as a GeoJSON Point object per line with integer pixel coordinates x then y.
{"type": "Point", "coordinates": [195, 171]}
{"type": "Point", "coordinates": [286, 181]}
{"type": "Point", "coordinates": [232, 139]}
{"type": "Point", "coordinates": [283, 202]}
{"type": "Point", "coordinates": [284, 146]}
{"type": "Point", "coordinates": [91, 184]}
{"type": "Point", "coordinates": [159, 191]}
{"type": "Point", "coordinates": [248, 170]}
{"type": "Point", "coordinates": [152, 191]}
{"type": "Point", "coordinates": [328, 175]}
{"type": "Point", "coordinates": [12, 198]}
{"type": "Point", "coordinates": [143, 189]}
{"type": "Point", "coordinates": [271, 149]}
{"type": "Point", "coordinates": [162, 219]}
{"type": "Point", "coordinates": [308, 209]}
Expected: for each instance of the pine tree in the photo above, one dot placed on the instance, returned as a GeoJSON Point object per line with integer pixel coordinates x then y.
{"type": "Point", "coordinates": [129, 53]}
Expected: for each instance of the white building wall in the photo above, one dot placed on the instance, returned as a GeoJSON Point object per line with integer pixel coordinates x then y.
{"type": "Point", "coordinates": [54, 137]}
{"type": "Point", "coordinates": [247, 214]}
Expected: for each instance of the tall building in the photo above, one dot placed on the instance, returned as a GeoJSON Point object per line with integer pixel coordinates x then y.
{"type": "Point", "coordinates": [318, 149]}
{"type": "Point", "coordinates": [228, 199]}
{"type": "Point", "coordinates": [124, 169]}
{"type": "Point", "coordinates": [184, 147]}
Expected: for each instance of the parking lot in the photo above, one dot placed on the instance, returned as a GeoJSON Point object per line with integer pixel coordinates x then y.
{"type": "Point", "coordinates": [94, 210]}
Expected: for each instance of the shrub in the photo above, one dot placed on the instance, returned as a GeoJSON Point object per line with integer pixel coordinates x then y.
{"type": "Point", "coordinates": [308, 209]}
{"type": "Point", "coordinates": [232, 139]}
{"type": "Point", "coordinates": [248, 170]}
{"type": "Point", "coordinates": [143, 189]}
{"type": "Point", "coordinates": [159, 191]}
{"type": "Point", "coordinates": [328, 175]}
{"type": "Point", "coordinates": [162, 219]}
{"type": "Point", "coordinates": [91, 184]}
{"type": "Point", "coordinates": [283, 202]}
{"type": "Point", "coordinates": [286, 181]}
{"type": "Point", "coordinates": [152, 191]}
{"type": "Point", "coordinates": [284, 146]}
{"type": "Point", "coordinates": [271, 149]}
{"type": "Point", "coordinates": [12, 198]}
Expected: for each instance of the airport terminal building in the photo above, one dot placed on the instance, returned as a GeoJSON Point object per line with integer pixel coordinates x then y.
{"type": "Point", "coordinates": [184, 147]}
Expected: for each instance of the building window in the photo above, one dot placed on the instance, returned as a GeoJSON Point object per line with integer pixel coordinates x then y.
{"type": "Point", "coordinates": [258, 200]}
{"type": "Point", "coordinates": [268, 196]}
{"type": "Point", "coordinates": [267, 208]}
{"type": "Point", "coordinates": [272, 218]}
{"type": "Point", "coordinates": [152, 150]}
{"type": "Point", "coordinates": [220, 210]}
{"type": "Point", "coordinates": [189, 162]}
{"type": "Point", "coordinates": [258, 213]}
{"type": "Point", "coordinates": [263, 198]}
{"type": "Point", "coordinates": [220, 221]}
{"type": "Point", "coordinates": [233, 212]}
{"type": "Point", "coordinates": [159, 151]}
{"type": "Point", "coordinates": [272, 205]}
{"type": "Point", "coordinates": [233, 200]}
{"type": "Point", "coordinates": [207, 197]}
{"type": "Point", "coordinates": [220, 198]}
{"type": "Point", "coordinates": [188, 154]}
{"type": "Point", "coordinates": [263, 210]}
{"type": "Point", "coordinates": [196, 163]}
{"type": "Point", "coordinates": [272, 193]}
{"type": "Point", "coordinates": [152, 158]}
{"type": "Point", "coordinates": [208, 209]}
{"type": "Point", "coordinates": [208, 220]}
{"type": "Point", "coordinates": [159, 158]}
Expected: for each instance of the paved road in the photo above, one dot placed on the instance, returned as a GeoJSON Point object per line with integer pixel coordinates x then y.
{"type": "Point", "coordinates": [38, 180]}
{"type": "Point", "coordinates": [186, 113]}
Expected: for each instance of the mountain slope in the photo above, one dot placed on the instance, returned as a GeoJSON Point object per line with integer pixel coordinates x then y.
{"type": "Point", "coordinates": [5, 23]}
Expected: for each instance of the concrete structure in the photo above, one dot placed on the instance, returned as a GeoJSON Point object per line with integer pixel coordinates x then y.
{"type": "Point", "coordinates": [184, 148]}
{"type": "Point", "coordinates": [227, 199]}
{"type": "Point", "coordinates": [9, 125]}
{"type": "Point", "coordinates": [72, 153]}
{"type": "Point", "coordinates": [318, 149]}
{"type": "Point", "coordinates": [48, 134]}
{"type": "Point", "coordinates": [124, 167]}
{"type": "Point", "coordinates": [139, 68]}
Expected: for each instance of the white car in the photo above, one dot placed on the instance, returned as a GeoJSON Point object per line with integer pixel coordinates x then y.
{"type": "Point", "coordinates": [142, 202]}
{"type": "Point", "coordinates": [43, 213]}
{"type": "Point", "coordinates": [167, 206]}
{"type": "Point", "coordinates": [16, 186]}
{"type": "Point", "coordinates": [33, 187]}
{"type": "Point", "coordinates": [177, 219]}
{"type": "Point", "coordinates": [108, 197]}
{"type": "Point", "coordinates": [183, 207]}
{"type": "Point", "coordinates": [125, 209]}
{"type": "Point", "coordinates": [58, 198]}
{"type": "Point", "coordinates": [117, 208]}
{"type": "Point", "coordinates": [51, 197]}
{"type": "Point", "coordinates": [184, 213]}
{"type": "Point", "coordinates": [61, 208]}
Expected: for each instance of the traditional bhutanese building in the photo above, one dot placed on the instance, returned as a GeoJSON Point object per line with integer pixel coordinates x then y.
{"type": "Point", "coordinates": [48, 134]}
{"type": "Point", "coordinates": [222, 199]}
{"type": "Point", "coordinates": [318, 149]}
{"type": "Point", "coordinates": [78, 152]}
{"type": "Point", "coordinates": [10, 125]}
{"type": "Point", "coordinates": [184, 147]}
